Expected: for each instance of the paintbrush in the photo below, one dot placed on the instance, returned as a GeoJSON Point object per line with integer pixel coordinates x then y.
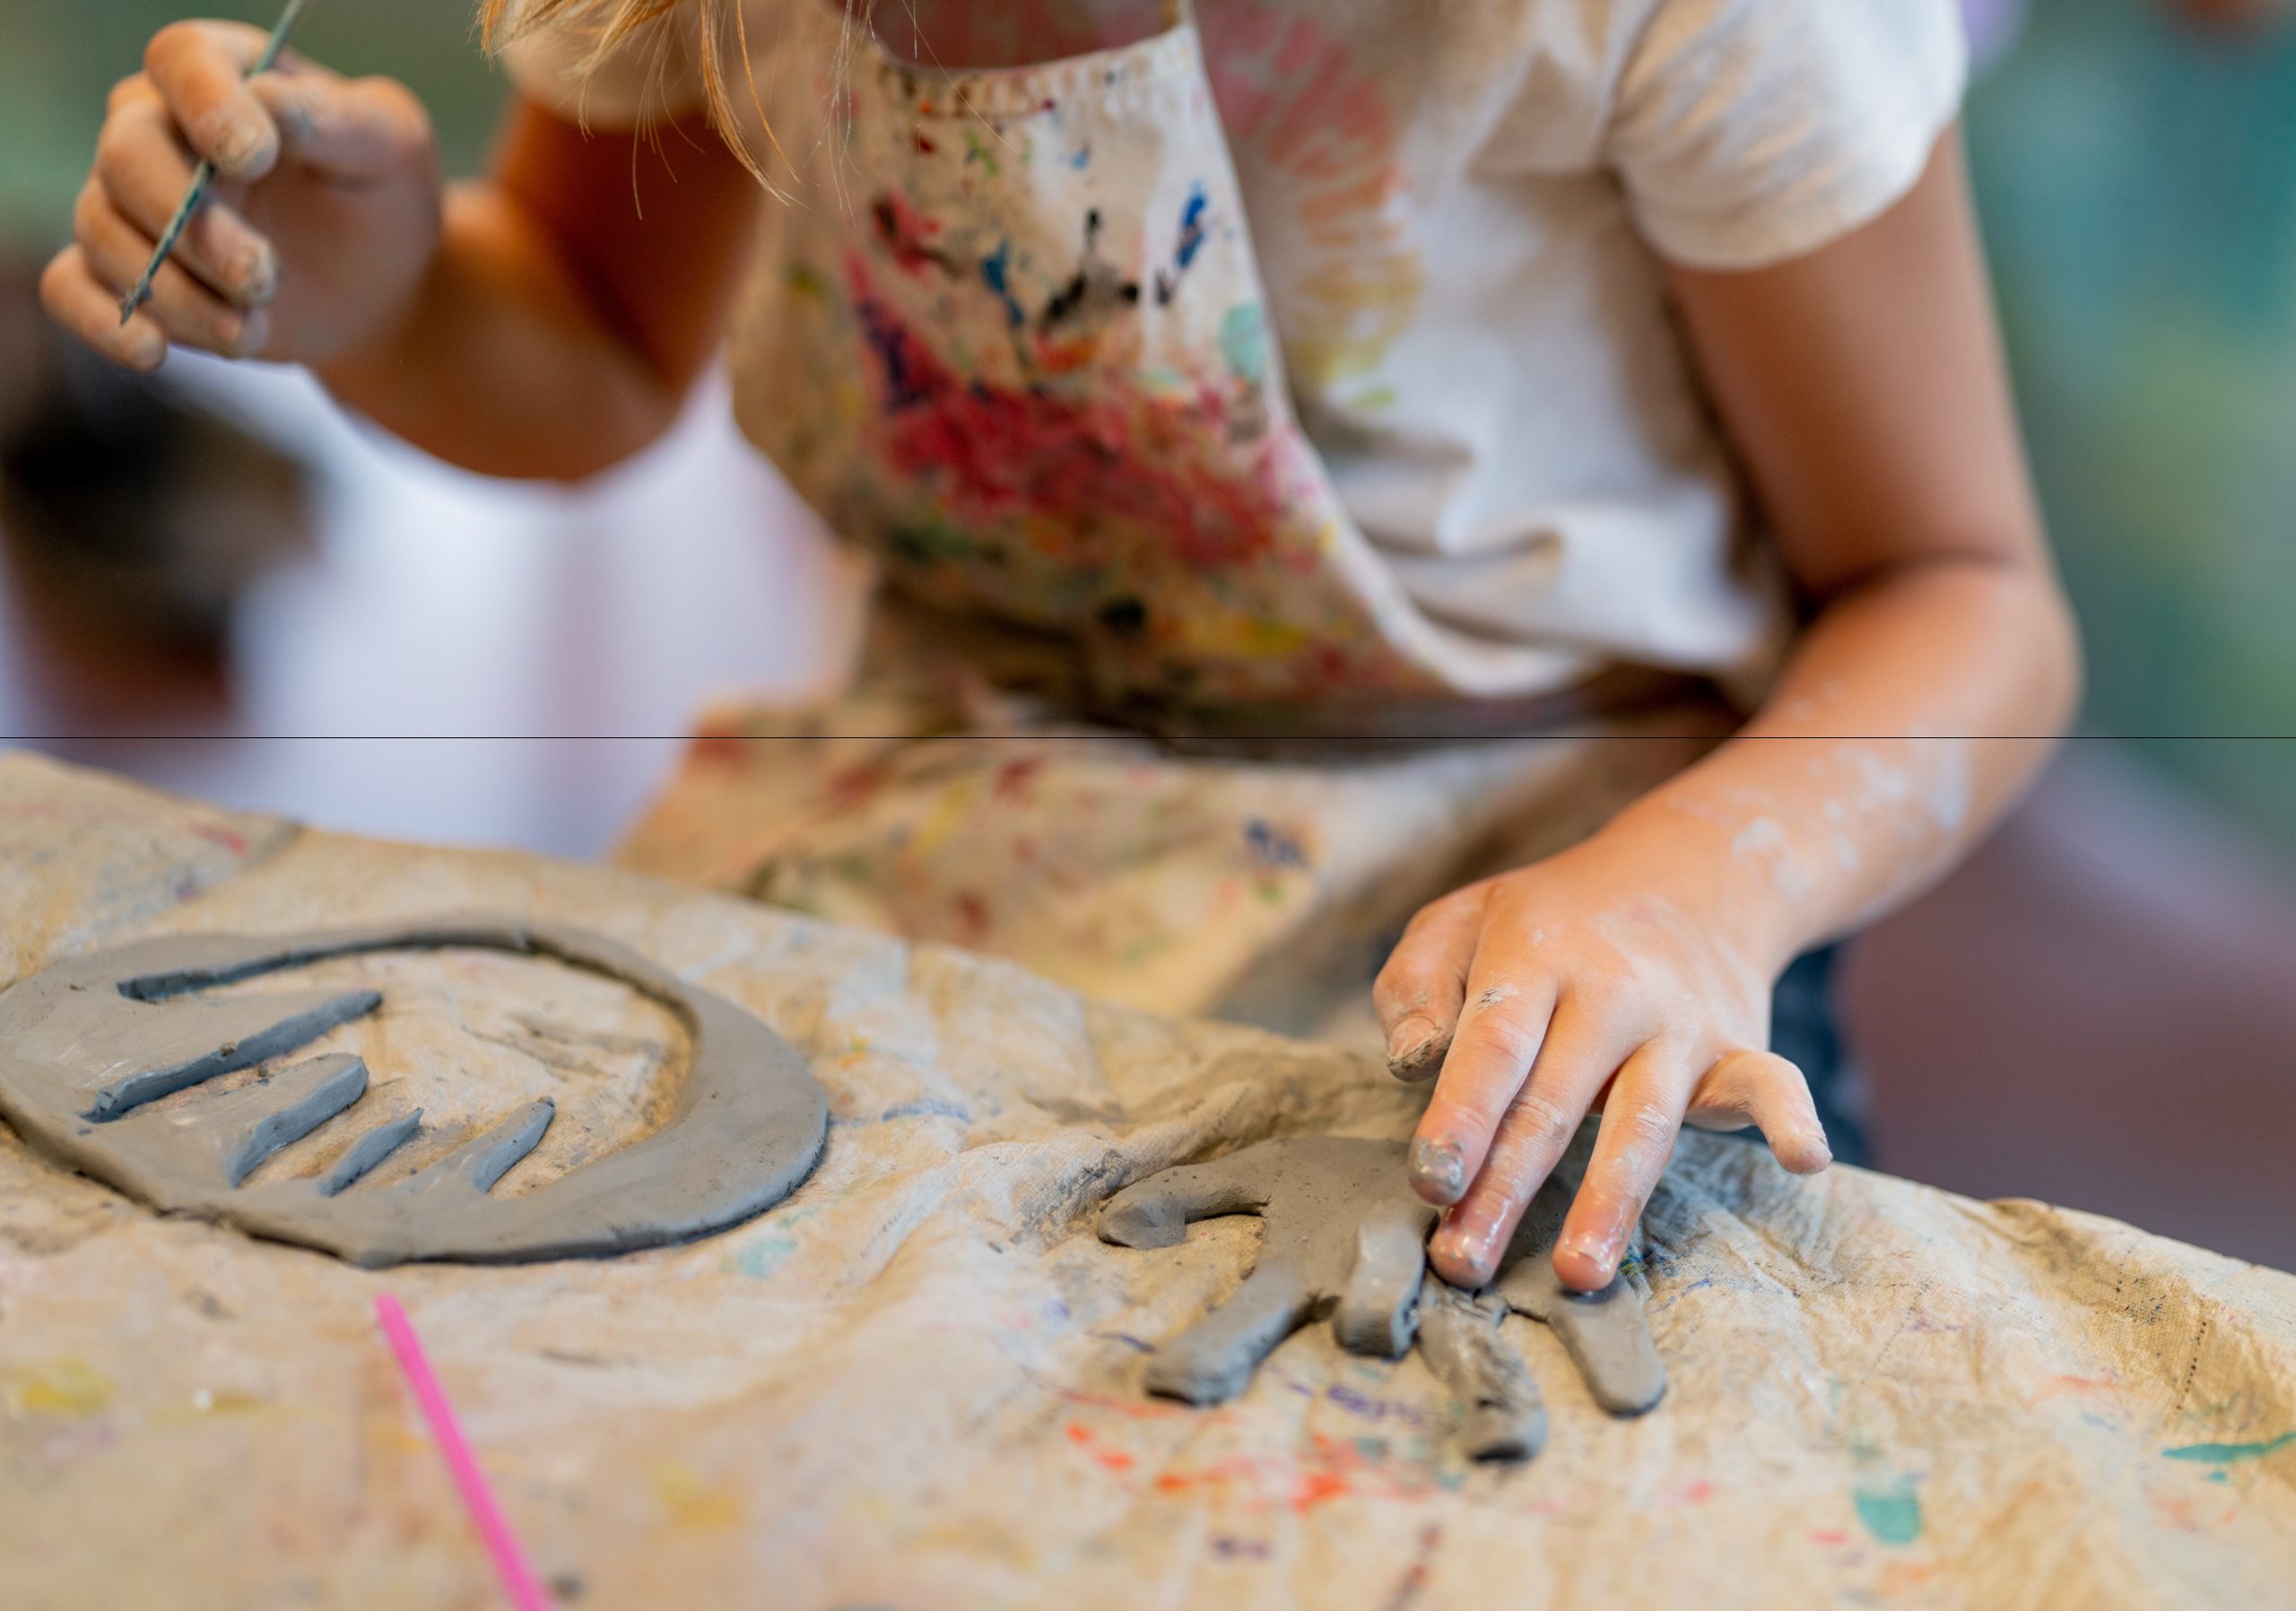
{"type": "Point", "coordinates": [203, 175]}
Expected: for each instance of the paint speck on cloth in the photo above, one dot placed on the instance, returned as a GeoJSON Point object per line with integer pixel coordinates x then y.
{"type": "Point", "coordinates": [919, 1381]}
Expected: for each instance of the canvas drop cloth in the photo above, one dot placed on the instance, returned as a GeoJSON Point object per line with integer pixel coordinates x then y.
{"type": "Point", "coordinates": [915, 1384]}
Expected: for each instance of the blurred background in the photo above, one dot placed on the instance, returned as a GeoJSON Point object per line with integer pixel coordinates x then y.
{"type": "Point", "coordinates": [221, 585]}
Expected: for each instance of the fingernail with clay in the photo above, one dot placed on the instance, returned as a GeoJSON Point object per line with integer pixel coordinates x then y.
{"type": "Point", "coordinates": [1602, 1251]}
{"type": "Point", "coordinates": [1408, 1039]}
{"type": "Point", "coordinates": [258, 276]}
{"type": "Point", "coordinates": [237, 146]}
{"type": "Point", "coordinates": [1462, 1244]}
{"type": "Point", "coordinates": [1439, 1169]}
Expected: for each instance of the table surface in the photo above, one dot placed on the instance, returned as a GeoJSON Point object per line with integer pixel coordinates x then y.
{"type": "Point", "coordinates": [917, 1381]}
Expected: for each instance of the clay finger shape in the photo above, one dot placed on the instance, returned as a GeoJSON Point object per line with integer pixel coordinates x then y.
{"type": "Point", "coordinates": [87, 1048]}
{"type": "Point", "coordinates": [1342, 1231]}
{"type": "Point", "coordinates": [1460, 1336]}
{"type": "Point", "coordinates": [1605, 1333]}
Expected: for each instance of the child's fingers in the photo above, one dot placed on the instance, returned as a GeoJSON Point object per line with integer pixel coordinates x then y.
{"type": "Point", "coordinates": [1499, 1035]}
{"type": "Point", "coordinates": [84, 305]}
{"type": "Point", "coordinates": [144, 170]}
{"type": "Point", "coordinates": [199, 70]}
{"type": "Point", "coordinates": [1640, 1119]}
{"type": "Point", "coordinates": [361, 128]}
{"type": "Point", "coordinates": [1579, 1051]}
{"type": "Point", "coordinates": [1763, 1089]}
{"type": "Point", "coordinates": [1530, 1141]}
{"type": "Point", "coordinates": [1418, 992]}
{"type": "Point", "coordinates": [116, 252]}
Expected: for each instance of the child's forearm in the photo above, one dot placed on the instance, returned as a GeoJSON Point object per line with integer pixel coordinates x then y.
{"type": "Point", "coordinates": [575, 295]}
{"type": "Point", "coordinates": [499, 365]}
{"type": "Point", "coordinates": [1914, 711]}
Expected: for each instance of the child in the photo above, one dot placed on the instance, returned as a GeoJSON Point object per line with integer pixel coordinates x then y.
{"type": "Point", "coordinates": [1273, 375]}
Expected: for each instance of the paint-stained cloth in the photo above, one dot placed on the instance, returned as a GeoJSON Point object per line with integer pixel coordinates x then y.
{"type": "Point", "coordinates": [916, 1382]}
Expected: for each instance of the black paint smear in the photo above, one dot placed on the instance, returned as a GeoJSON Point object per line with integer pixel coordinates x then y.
{"type": "Point", "coordinates": [905, 248]}
{"type": "Point", "coordinates": [1093, 279]}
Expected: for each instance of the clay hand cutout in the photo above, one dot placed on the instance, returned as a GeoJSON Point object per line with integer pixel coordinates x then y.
{"type": "Point", "coordinates": [1605, 1333]}
{"type": "Point", "coordinates": [1345, 1232]}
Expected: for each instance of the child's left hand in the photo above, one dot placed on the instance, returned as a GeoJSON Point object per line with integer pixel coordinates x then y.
{"type": "Point", "coordinates": [1600, 979]}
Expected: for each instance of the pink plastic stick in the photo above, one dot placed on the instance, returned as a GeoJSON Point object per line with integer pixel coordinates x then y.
{"type": "Point", "coordinates": [518, 1578]}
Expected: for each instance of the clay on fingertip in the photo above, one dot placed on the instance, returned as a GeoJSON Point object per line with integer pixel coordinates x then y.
{"type": "Point", "coordinates": [1419, 1059]}
{"type": "Point", "coordinates": [1438, 1170]}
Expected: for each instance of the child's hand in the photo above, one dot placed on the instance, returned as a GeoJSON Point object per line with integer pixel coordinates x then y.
{"type": "Point", "coordinates": [325, 213]}
{"type": "Point", "coordinates": [1600, 978]}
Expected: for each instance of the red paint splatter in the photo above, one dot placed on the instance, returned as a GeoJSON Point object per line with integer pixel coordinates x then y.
{"type": "Point", "coordinates": [972, 913]}
{"type": "Point", "coordinates": [1102, 462]}
{"type": "Point", "coordinates": [908, 234]}
{"type": "Point", "coordinates": [854, 786]}
{"type": "Point", "coordinates": [1014, 778]}
{"type": "Point", "coordinates": [216, 835]}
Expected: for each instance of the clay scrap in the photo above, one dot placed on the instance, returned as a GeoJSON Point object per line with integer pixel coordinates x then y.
{"type": "Point", "coordinates": [88, 1046]}
{"type": "Point", "coordinates": [1345, 1235]}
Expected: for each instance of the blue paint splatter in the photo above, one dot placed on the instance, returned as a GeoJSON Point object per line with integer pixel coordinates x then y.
{"type": "Point", "coordinates": [925, 1107]}
{"type": "Point", "coordinates": [1892, 1514]}
{"type": "Point", "coordinates": [996, 273]}
{"type": "Point", "coordinates": [1191, 226]}
{"type": "Point", "coordinates": [1272, 847]}
{"type": "Point", "coordinates": [2224, 1454]}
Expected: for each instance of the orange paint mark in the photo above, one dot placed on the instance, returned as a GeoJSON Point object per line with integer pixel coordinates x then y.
{"type": "Point", "coordinates": [1108, 1458]}
{"type": "Point", "coordinates": [1899, 1576]}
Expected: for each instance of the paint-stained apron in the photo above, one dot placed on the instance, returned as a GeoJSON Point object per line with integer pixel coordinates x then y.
{"type": "Point", "coordinates": [1057, 418]}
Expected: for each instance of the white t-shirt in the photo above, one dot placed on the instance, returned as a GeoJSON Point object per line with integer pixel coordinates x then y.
{"type": "Point", "coordinates": [1458, 210]}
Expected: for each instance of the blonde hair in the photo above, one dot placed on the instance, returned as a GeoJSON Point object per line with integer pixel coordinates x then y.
{"type": "Point", "coordinates": [611, 25]}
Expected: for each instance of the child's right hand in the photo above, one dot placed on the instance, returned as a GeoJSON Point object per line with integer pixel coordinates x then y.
{"type": "Point", "coordinates": [323, 218]}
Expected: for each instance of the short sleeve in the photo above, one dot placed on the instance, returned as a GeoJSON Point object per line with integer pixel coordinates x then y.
{"type": "Point", "coordinates": [1750, 132]}
{"type": "Point", "coordinates": [562, 63]}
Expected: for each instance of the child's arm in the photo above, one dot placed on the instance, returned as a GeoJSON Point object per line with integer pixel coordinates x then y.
{"type": "Point", "coordinates": [528, 323]}
{"type": "Point", "coordinates": [1864, 387]}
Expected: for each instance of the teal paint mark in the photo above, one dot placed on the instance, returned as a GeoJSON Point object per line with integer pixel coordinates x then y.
{"type": "Point", "coordinates": [2220, 1476]}
{"type": "Point", "coordinates": [2224, 1454]}
{"type": "Point", "coordinates": [1892, 1514]}
{"type": "Point", "coordinates": [1243, 340]}
{"type": "Point", "coordinates": [772, 1248]}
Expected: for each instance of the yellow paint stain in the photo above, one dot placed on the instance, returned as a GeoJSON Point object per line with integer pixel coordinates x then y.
{"type": "Point", "coordinates": [1242, 636]}
{"type": "Point", "coordinates": [63, 1386]}
{"type": "Point", "coordinates": [950, 810]}
{"type": "Point", "coordinates": [693, 1504]}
